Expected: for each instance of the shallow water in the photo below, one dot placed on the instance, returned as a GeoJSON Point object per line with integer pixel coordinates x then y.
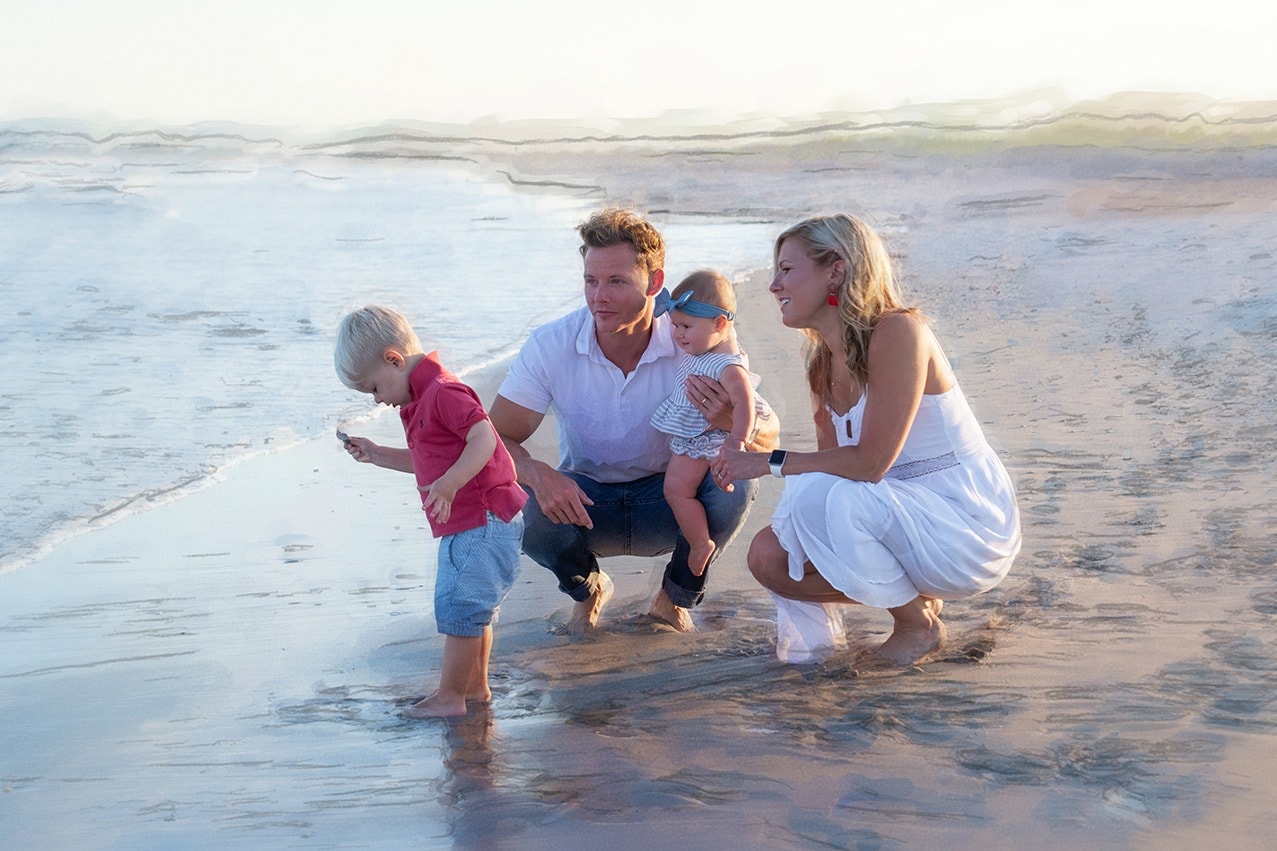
{"type": "Point", "coordinates": [171, 301]}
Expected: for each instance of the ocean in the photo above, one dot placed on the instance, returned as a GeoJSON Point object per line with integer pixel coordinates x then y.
{"type": "Point", "coordinates": [170, 299]}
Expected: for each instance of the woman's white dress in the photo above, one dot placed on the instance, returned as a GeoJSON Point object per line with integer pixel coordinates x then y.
{"type": "Point", "coordinates": [942, 523]}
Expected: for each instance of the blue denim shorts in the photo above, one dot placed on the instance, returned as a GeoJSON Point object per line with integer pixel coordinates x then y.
{"type": "Point", "coordinates": [477, 568]}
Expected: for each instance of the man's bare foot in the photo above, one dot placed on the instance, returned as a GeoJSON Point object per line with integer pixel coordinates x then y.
{"type": "Point", "coordinates": [585, 615]}
{"type": "Point", "coordinates": [698, 557]}
{"type": "Point", "coordinates": [911, 643]}
{"type": "Point", "coordinates": [437, 706]}
{"type": "Point", "coordinates": [663, 609]}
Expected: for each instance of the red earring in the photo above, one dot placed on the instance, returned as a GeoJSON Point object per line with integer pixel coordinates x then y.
{"type": "Point", "coordinates": [832, 301]}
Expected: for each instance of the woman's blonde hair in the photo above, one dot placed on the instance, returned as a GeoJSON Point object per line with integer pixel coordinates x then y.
{"type": "Point", "coordinates": [866, 292]}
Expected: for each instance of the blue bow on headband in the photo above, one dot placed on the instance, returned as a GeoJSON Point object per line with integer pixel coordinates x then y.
{"type": "Point", "coordinates": [664, 304]}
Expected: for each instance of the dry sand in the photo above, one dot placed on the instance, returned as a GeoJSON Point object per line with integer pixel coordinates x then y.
{"type": "Point", "coordinates": [221, 670]}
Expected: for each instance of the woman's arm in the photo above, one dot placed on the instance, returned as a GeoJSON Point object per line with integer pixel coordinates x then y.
{"type": "Point", "coordinates": [900, 352]}
{"type": "Point", "coordinates": [900, 355]}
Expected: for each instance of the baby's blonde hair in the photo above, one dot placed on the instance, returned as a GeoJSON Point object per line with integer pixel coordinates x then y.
{"type": "Point", "coordinates": [363, 337]}
{"type": "Point", "coordinates": [708, 287]}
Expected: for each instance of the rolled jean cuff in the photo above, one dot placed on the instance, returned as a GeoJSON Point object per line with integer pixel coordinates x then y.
{"type": "Point", "coordinates": [680, 596]}
{"type": "Point", "coordinates": [586, 589]}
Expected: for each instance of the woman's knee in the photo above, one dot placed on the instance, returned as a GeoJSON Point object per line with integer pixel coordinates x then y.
{"type": "Point", "coordinates": [767, 559]}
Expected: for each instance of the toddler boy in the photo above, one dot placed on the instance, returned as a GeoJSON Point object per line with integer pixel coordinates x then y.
{"type": "Point", "coordinates": [468, 490]}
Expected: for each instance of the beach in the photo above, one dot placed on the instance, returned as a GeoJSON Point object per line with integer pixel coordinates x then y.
{"type": "Point", "coordinates": [222, 670]}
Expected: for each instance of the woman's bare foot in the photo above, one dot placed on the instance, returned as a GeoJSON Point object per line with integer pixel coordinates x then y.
{"type": "Point", "coordinates": [663, 609]}
{"type": "Point", "coordinates": [698, 557]}
{"type": "Point", "coordinates": [917, 632]}
{"type": "Point", "coordinates": [437, 706]}
{"type": "Point", "coordinates": [585, 615]}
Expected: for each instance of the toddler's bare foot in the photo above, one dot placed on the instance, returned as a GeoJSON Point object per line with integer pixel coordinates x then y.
{"type": "Point", "coordinates": [475, 696]}
{"type": "Point", "coordinates": [663, 609]}
{"type": "Point", "coordinates": [585, 615]}
{"type": "Point", "coordinates": [437, 706]}
{"type": "Point", "coordinates": [911, 643]}
{"type": "Point", "coordinates": [698, 556]}
{"type": "Point", "coordinates": [935, 604]}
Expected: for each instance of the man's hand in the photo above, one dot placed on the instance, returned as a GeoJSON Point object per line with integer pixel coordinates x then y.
{"type": "Point", "coordinates": [559, 497]}
{"type": "Point", "coordinates": [709, 397]}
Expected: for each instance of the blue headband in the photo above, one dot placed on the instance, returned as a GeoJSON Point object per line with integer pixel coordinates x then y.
{"type": "Point", "coordinates": [664, 304]}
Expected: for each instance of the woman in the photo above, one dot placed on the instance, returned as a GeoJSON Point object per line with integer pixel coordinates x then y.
{"type": "Point", "coordinates": [904, 504]}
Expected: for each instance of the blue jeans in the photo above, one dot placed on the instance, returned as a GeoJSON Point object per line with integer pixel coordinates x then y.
{"type": "Point", "coordinates": [632, 518]}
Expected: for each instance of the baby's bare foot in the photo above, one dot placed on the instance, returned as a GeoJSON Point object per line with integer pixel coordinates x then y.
{"type": "Point", "coordinates": [698, 556]}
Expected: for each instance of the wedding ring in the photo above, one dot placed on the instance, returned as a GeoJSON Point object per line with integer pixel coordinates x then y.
{"type": "Point", "coordinates": [705, 401]}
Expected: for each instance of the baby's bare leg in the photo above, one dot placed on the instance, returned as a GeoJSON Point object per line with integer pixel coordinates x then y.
{"type": "Point", "coordinates": [683, 479]}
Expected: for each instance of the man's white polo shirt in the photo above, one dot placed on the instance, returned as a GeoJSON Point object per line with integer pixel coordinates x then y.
{"type": "Point", "coordinates": [604, 416]}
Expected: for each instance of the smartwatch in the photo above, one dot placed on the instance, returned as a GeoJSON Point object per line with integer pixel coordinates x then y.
{"type": "Point", "coordinates": [776, 461]}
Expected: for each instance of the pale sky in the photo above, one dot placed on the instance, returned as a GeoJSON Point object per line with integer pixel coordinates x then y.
{"type": "Point", "coordinates": [317, 63]}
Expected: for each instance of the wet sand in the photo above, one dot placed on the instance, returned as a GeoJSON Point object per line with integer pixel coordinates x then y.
{"type": "Point", "coordinates": [222, 670]}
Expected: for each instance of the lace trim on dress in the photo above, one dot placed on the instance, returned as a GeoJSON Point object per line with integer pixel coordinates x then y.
{"type": "Point", "coordinates": [923, 466]}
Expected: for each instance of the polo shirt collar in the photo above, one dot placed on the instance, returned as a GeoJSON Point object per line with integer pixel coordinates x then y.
{"type": "Point", "coordinates": [661, 345]}
{"type": "Point", "coordinates": [424, 374]}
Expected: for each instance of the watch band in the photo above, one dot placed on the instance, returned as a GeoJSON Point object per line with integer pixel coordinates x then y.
{"type": "Point", "coordinates": [776, 461]}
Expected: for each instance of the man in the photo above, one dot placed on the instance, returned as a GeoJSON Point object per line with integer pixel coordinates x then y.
{"type": "Point", "coordinates": [604, 368]}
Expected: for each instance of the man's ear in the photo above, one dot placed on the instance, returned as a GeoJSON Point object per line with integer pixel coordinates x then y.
{"type": "Point", "coordinates": [655, 281]}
